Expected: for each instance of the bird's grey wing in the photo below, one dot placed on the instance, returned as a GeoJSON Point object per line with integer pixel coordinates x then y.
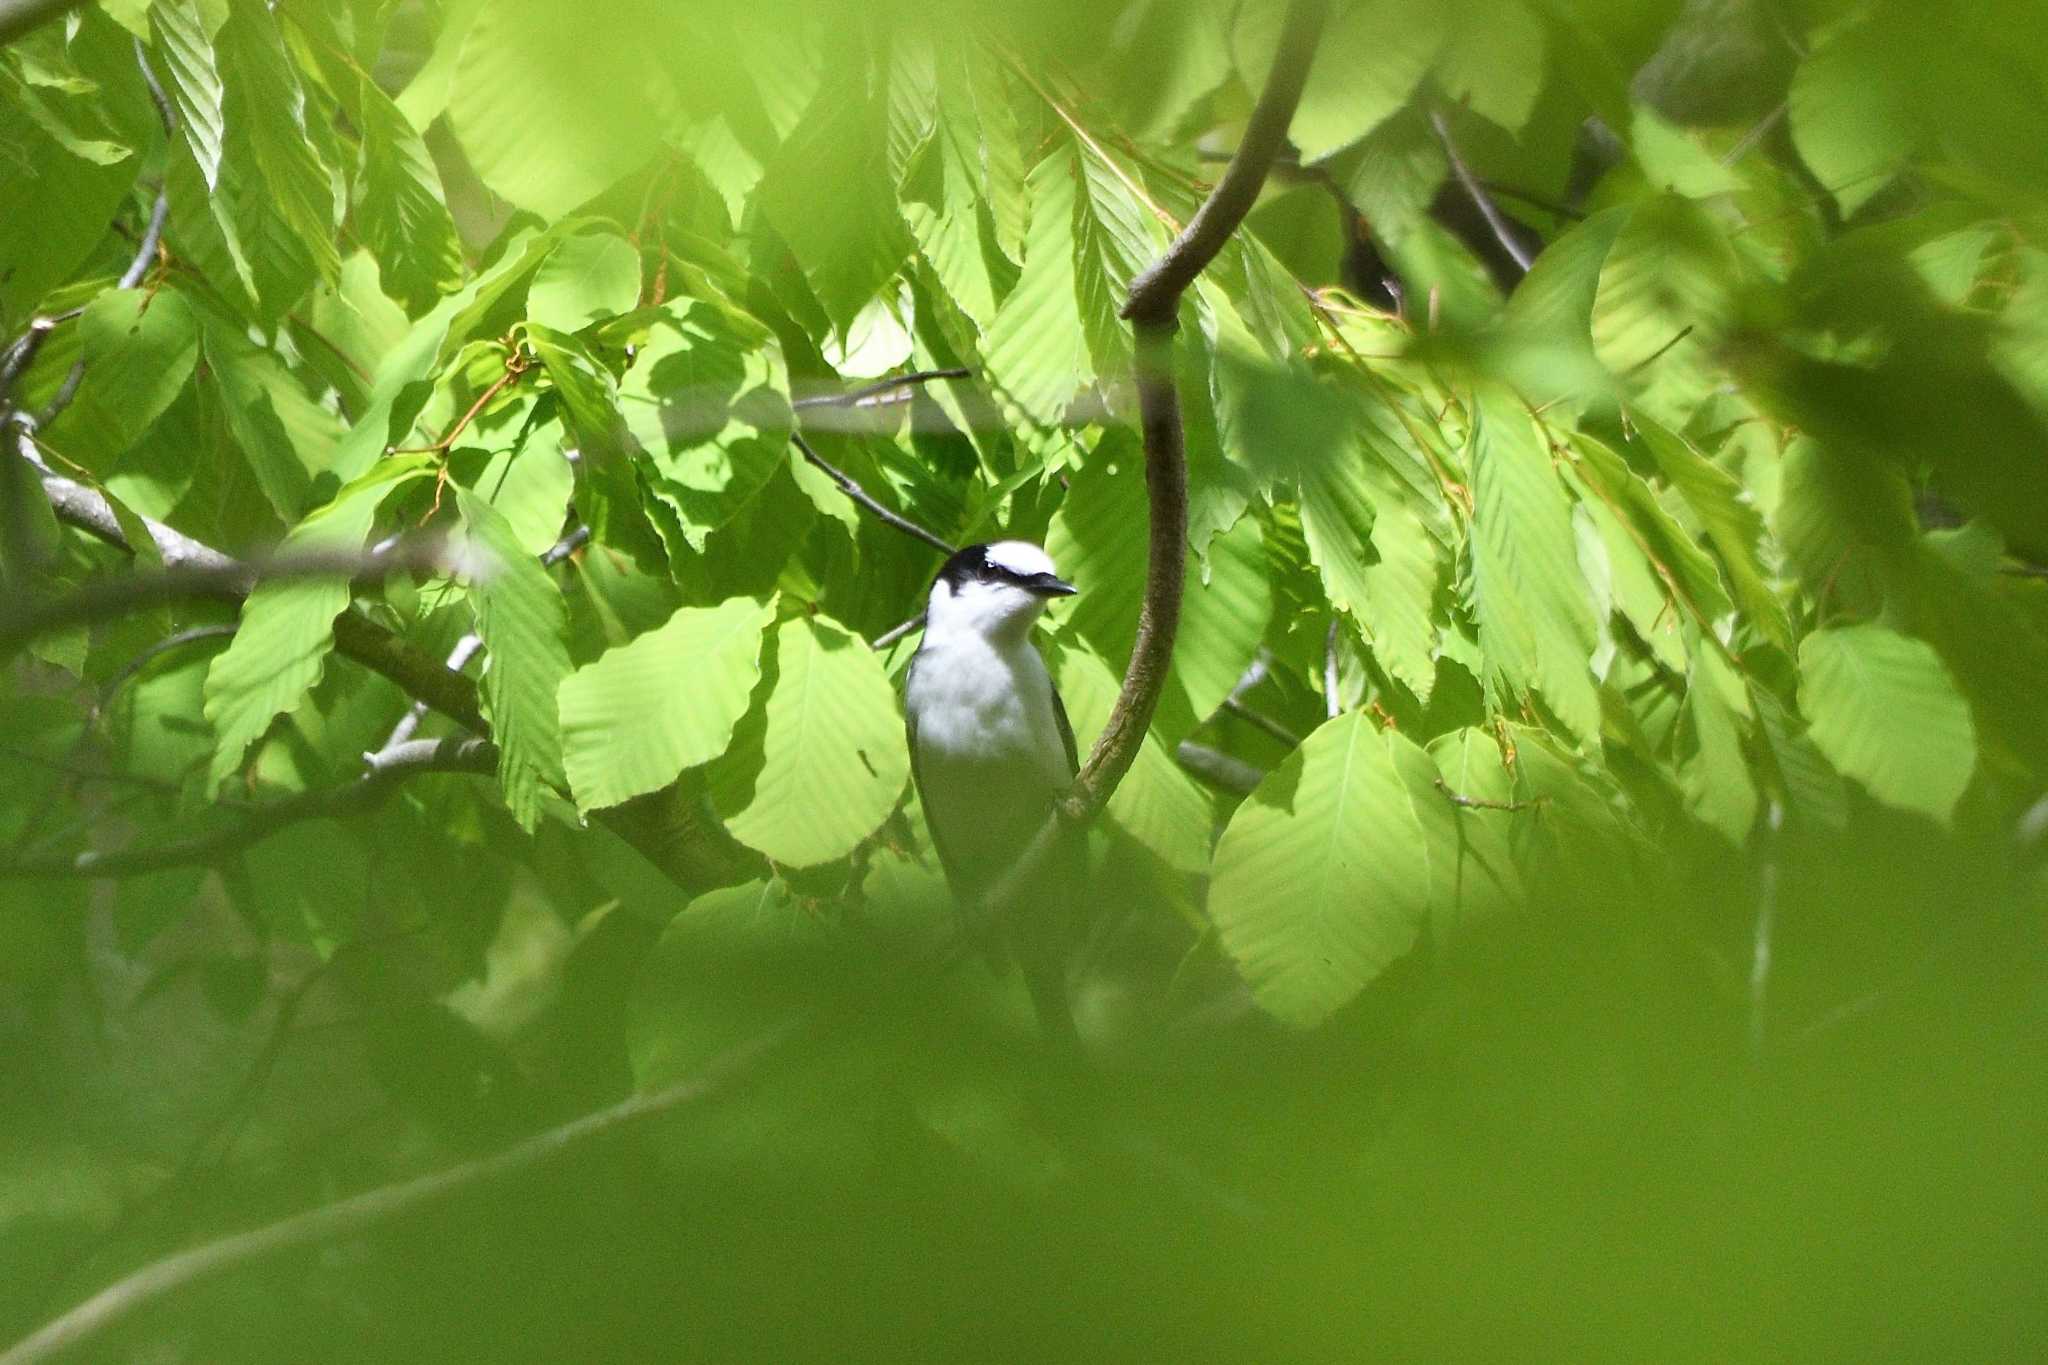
{"type": "Point", "coordinates": [947, 863]}
{"type": "Point", "coordinates": [1059, 715]}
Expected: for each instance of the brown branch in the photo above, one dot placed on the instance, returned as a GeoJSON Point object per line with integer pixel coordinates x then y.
{"type": "Point", "coordinates": [106, 599]}
{"type": "Point", "coordinates": [1152, 308]}
{"type": "Point", "coordinates": [1218, 769]}
{"type": "Point", "coordinates": [515, 366]}
{"type": "Point", "coordinates": [683, 843]}
{"type": "Point", "coordinates": [1155, 293]}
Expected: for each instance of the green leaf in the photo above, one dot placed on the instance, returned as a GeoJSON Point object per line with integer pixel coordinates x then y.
{"type": "Point", "coordinates": [1492, 60]}
{"type": "Point", "coordinates": [1849, 115]}
{"type": "Point", "coordinates": [1667, 297]}
{"type": "Point", "coordinates": [1732, 524]}
{"type": "Point", "coordinates": [287, 438]}
{"type": "Point", "coordinates": [522, 620]}
{"type": "Point", "coordinates": [1157, 803]}
{"type": "Point", "coordinates": [712, 413]}
{"type": "Point", "coordinates": [643, 712]}
{"type": "Point", "coordinates": [833, 757]}
{"type": "Point", "coordinates": [1535, 618]}
{"type": "Point", "coordinates": [185, 45]}
{"type": "Point", "coordinates": [1115, 237]}
{"type": "Point", "coordinates": [299, 187]}
{"type": "Point", "coordinates": [610, 491]}
{"type": "Point", "coordinates": [1037, 348]}
{"type": "Point", "coordinates": [49, 220]}
{"type": "Point", "coordinates": [1370, 60]}
{"type": "Point", "coordinates": [139, 351]}
{"type": "Point", "coordinates": [586, 278]}
{"type": "Point", "coordinates": [287, 627]}
{"type": "Point", "coordinates": [1322, 878]}
{"type": "Point", "coordinates": [1401, 165]}
{"type": "Point", "coordinates": [401, 209]}
{"type": "Point", "coordinates": [1884, 710]}
{"type": "Point", "coordinates": [827, 193]}
{"type": "Point", "coordinates": [1716, 779]}
{"type": "Point", "coordinates": [1098, 539]}
{"type": "Point", "coordinates": [550, 102]}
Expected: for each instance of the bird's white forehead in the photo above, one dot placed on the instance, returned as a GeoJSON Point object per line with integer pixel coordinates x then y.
{"type": "Point", "coordinates": [1019, 557]}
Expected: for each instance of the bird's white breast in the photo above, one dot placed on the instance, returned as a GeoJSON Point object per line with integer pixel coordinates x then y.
{"type": "Point", "coordinates": [976, 700]}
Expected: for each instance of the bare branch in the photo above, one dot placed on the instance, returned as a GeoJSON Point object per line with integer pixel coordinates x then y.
{"type": "Point", "coordinates": [897, 632]}
{"type": "Point", "coordinates": [406, 760]}
{"type": "Point", "coordinates": [458, 659]}
{"type": "Point", "coordinates": [107, 598]}
{"type": "Point", "coordinates": [867, 501]}
{"type": "Point", "coordinates": [1488, 210]}
{"type": "Point", "coordinates": [1259, 720]}
{"type": "Point", "coordinates": [1477, 803]}
{"type": "Point", "coordinates": [565, 547]}
{"type": "Point", "coordinates": [1152, 307]}
{"type": "Point", "coordinates": [1217, 768]}
{"type": "Point", "coordinates": [877, 389]}
{"type": "Point", "coordinates": [1155, 293]}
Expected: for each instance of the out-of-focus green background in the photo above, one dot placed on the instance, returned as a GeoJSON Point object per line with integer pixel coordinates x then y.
{"type": "Point", "coordinates": [1581, 899]}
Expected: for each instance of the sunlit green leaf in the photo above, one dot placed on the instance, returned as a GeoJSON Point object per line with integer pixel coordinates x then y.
{"type": "Point", "coordinates": [833, 758]}
{"type": "Point", "coordinates": [287, 627]}
{"type": "Point", "coordinates": [1886, 712]}
{"type": "Point", "coordinates": [638, 716]}
{"type": "Point", "coordinates": [1322, 876]}
{"type": "Point", "coordinates": [522, 621]}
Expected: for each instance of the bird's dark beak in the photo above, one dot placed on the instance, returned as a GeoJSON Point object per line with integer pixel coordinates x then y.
{"type": "Point", "coordinates": [1045, 585]}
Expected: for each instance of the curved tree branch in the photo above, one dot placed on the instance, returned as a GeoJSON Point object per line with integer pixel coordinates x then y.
{"type": "Point", "coordinates": [1155, 293]}
{"type": "Point", "coordinates": [1152, 308]}
{"type": "Point", "coordinates": [867, 501]}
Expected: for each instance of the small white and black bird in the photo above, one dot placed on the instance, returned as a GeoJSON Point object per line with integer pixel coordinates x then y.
{"type": "Point", "coordinates": [991, 751]}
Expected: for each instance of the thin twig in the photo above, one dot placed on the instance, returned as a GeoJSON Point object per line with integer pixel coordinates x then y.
{"type": "Point", "coordinates": [1333, 697]}
{"type": "Point", "coordinates": [1261, 721]}
{"type": "Point", "coordinates": [516, 364]}
{"type": "Point", "coordinates": [867, 501]}
{"type": "Point", "coordinates": [1480, 198]}
{"type": "Point", "coordinates": [897, 632]}
{"type": "Point", "coordinates": [193, 636]}
{"type": "Point", "coordinates": [1479, 803]}
{"type": "Point", "coordinates": [878, 388]}
{"type": "Point", "coordinates": [1658, 354]}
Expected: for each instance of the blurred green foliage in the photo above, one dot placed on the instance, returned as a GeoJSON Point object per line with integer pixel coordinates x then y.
{"type": "Point", "coordinates": [1633, 946]}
